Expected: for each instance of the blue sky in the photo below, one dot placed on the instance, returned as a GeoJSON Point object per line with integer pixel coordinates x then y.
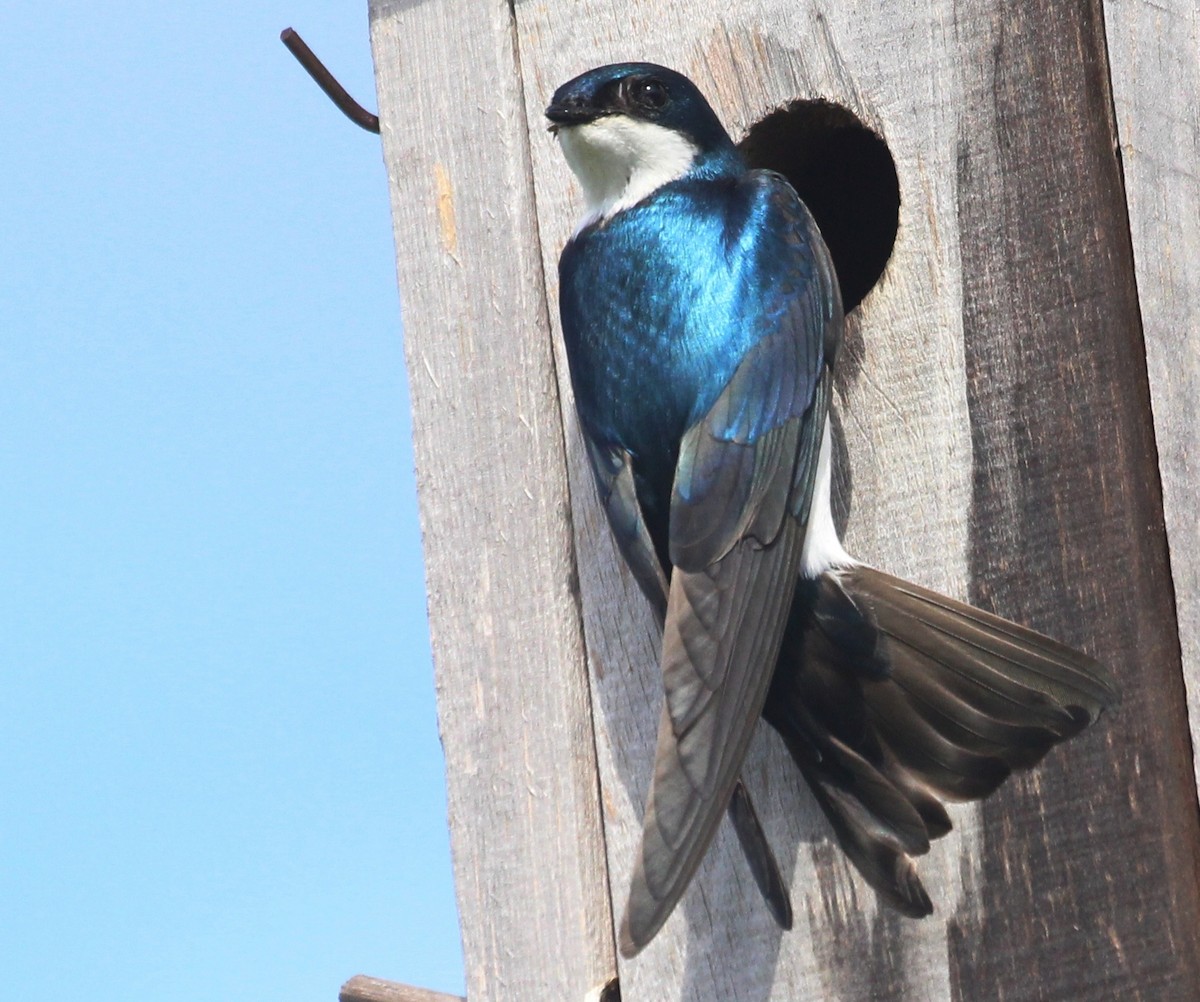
{"type": "Point", "coordinates": [219, 765]}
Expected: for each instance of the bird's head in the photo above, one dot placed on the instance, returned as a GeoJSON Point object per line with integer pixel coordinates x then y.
{"type": "Point", "coordinates": [629, 128]}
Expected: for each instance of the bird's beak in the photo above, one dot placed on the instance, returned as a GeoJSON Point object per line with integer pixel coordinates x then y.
{"type": "Point", "coordinates": [568, 112]}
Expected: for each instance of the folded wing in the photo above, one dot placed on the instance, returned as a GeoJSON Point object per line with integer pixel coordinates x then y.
{"type": "Point", "coordinates": [739, 508]}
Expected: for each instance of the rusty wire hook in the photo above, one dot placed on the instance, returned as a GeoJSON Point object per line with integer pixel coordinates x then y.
{"type": "Point", "coordinates": [325, 80]}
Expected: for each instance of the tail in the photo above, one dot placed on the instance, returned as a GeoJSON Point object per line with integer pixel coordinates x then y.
{"type": "Point", "coordinates": [892, 699]}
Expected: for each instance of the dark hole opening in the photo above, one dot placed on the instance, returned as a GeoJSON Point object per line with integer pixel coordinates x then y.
{"type": "Point", "coordinates": [847, 178]}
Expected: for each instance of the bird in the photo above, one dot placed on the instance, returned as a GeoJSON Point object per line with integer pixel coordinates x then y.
{"type": "Point", "coordinates": [701, 318]}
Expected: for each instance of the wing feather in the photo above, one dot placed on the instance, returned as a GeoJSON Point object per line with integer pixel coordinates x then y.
{"type": "Point", "coordinates": [743, 486]}
{"type": "Point", "coordinates": [613, 471]}
{"type": "Point", "coordinates": [696, 768]}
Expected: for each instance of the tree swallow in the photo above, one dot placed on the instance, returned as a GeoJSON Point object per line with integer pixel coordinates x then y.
{"type": "Point", "coordinates": [702, 318]}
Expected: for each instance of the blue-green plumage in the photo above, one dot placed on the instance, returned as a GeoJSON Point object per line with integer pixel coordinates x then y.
{"type": "Point", "coordinates": [701, 316]}
{"type": "Point", "coordinates": [661, 304]}
{"type": "Point", "coordinates": [698, 322]}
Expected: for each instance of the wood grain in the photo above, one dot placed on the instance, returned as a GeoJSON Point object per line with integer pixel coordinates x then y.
{"type": "Point", "coordinates": [904, 427]}
{"type": "Point", "coordinates": [1154, 52]}
{"type": "Point", "coordinates": [1067, 529]}
{"type": "Point", "coordinates": [997, 443]}
{"type": "Point", "coordinates": [504, 617]}
{"type": "Point", "coordinates": [361, 988]}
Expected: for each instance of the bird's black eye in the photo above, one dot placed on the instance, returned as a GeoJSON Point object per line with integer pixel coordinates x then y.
{"type": "Point", "coordinates": [647, 93]}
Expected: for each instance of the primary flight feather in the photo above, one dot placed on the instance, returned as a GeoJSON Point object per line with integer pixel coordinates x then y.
{"type": "Point", "coordinates": [702, 318]}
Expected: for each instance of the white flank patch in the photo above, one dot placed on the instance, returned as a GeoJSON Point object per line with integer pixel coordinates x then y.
{"type": "Point", "coordinates": [822, 548]}
{"type": "Point", "coordinates": [620, 160]}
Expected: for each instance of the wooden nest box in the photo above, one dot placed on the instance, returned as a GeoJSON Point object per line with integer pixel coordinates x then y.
{"type": "Point", "coordinates": [1018, 417]}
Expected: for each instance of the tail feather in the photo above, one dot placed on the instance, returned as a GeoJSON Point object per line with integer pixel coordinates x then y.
{"type": "Point", "coordinates": [941, 670]}
{"type": "Point", "coordinates": [878, 824]}
{"type": "Point", "coordinates": [887, 866]}
{"type": "Point", "coordinates": [892, 698]}
{"type": "Point", "coordinates": [919, 794]}
{"type": "Point", "coordinates": [1019, 658]}
{"type": "Point", "coordinates": [966, 724]}
{"type": "Point", "coordinates": [952, 769]}
{"type": "Point", "coordinates": [763, 865]}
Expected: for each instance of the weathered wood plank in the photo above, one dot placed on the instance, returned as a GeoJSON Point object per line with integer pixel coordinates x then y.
{"type": "Point", "coordinates": [361, 988]}
{"type": "Point", "coordinates": [994, 423]}
{"type": "Point", "coordinates": [1067, 525]}
{"type": "Point", "coordinates": [721, 943]}
{"type": "Point", "coordinates": [1154, 51]}
{"type": "Point", "coordinates": [504, 617]}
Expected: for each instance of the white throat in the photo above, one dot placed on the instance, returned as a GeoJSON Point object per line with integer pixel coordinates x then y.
{"type": "Point", "coordinates": [620, 160]}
